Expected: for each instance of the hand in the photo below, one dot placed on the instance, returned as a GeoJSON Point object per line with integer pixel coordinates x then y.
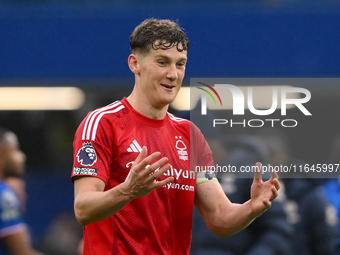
{"type": "Point", "coordinates": [263, 193]}
{"type": "Point", "coordinates": [142, 177]}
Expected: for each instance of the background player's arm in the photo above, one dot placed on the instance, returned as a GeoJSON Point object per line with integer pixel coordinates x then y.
{"type": "Point", "coordinates": [19, 243]}
{"type": "Point", "coordinates": [225, 218]}
{"type": "Point", "coordinates": [93, 204]}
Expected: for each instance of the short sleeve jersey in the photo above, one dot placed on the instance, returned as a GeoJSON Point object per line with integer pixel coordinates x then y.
{"type": "Point", "coordinates": [11, 221]}
{"type": "Point", "coordinates": [105, 146]}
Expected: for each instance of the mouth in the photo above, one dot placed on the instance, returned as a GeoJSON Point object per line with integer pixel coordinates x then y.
{"type": "Point", "coordinates": [168, 87]}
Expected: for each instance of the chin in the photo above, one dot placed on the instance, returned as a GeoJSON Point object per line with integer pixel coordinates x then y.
{"type": "Point", "coordinates": [168, 100]}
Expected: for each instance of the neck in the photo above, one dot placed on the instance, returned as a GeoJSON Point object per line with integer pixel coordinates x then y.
{"type": "Point", "coordinates": [142, 105]}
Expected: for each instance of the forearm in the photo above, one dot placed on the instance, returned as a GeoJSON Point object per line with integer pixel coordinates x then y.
{"type": "Point", "coordinates": [221, 216]}
{"type": "Point", "coordinates": [92, 206]}
{"type": "Point", "coordinates": [231, 219]}
{"type": "Point", "coordinates": [225, 218]}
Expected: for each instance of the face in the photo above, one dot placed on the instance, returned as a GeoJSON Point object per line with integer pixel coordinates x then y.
{"type": "Point", "coordinates": [13, 156]}
{"type": "Point", "coordinates": [90, 152]}
{"type": "Point", "coordinates": [160, 76]}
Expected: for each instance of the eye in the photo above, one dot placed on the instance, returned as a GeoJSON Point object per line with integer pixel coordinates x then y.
{"type": "Point", "coordinates": [180, 64]}
{"type": "Point", "coordinates": [161, 62]}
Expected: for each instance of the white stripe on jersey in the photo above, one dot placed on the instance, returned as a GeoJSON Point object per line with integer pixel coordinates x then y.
{"type": "Point", "coordinates": [90, 119]}
{"type": "Point", "coordinates": [93, 138]}
{"type": "Point", "coordinates": [173, 117]}
{"type": "Point", "coordinates": [137, 145]}
{"type": "Point", "coordinates": [133, 148]}
{"type": "Point", "coordinates": [93, 115]}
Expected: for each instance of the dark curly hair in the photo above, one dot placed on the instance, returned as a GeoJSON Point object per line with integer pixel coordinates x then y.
{"type": "Point", "coordinates": [158, 34]}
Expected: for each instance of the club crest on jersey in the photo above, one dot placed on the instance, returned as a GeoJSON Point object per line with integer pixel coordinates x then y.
{"type": "Point", "coordinates": [87, 155]}
{"type": "Point", "coordinates": [181, 148]}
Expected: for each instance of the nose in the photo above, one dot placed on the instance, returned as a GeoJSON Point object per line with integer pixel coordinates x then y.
{"type": "Point", "coordinates": [172, 73]}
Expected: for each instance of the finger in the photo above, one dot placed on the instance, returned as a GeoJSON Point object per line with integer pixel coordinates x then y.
{"type": "Point", "coordinates": [275, 194]}
{"type": "Point", "coordinates": [141, 155]}
{"type": "Point", "coordinates": [146, 161]}
{"type": "Point", "coordinates": [276, 184]}
{"type": "Point", "coordinates": [258, 171]}
{"type": "Point", "coordinates": [275, 175]}
{"type": "Point", "coordinates": [155, 166]}
{"type": "Point", "coordinates": [159, 173]}
{"type": "Point", "coordinates": [267, 203]}
{"type": "Point", "coordinates": [163, 182]}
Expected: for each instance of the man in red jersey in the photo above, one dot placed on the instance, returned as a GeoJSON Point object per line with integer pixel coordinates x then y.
{"type": "Point", "coordinates": [134, 187]}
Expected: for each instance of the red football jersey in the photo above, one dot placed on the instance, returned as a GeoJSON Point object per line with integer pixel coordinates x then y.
{"type": "Point", "coordinates": [106, 144]}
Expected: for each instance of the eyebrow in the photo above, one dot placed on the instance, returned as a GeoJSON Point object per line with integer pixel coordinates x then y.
{"type": "Point", "coordinates": [166, 57]}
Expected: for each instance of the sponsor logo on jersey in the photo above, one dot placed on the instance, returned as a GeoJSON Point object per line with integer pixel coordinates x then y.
{"type": "Point", "coordinates": [176, 173]}
{"type": "Point", "coordinates": [85, 171]}
{"type": "Point", "coordinates": [87, 155]}
{"type": "Point", "coordinates": [134, 147]}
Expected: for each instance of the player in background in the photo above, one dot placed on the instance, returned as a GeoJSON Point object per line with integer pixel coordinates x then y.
{"type": "Point", "coordinates": [15, 239]}
{"type": "Point", "coordinates": [134, 183]}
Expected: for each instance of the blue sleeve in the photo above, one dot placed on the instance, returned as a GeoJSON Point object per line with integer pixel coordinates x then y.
{"type": "Point", "coordinates": [10, 215]}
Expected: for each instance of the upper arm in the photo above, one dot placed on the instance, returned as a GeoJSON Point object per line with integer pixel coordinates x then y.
{"type": "Point", "coordinates": [85, 183]}
{"type": "Point", "coordinates": [84, 189]}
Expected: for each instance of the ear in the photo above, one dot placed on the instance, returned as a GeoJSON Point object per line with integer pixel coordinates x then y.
{"type": "Point", "coordinates": [2, 164]}
{"type": "Point", "coordinates": [134, 65]}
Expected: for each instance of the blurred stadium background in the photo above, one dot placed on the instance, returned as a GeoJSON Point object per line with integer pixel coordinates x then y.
{"type": "Point", "coordinates": [85, 44]}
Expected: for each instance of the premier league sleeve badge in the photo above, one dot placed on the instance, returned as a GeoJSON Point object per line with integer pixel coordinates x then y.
{"type": "Point", "coordinates": [87, 155]}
